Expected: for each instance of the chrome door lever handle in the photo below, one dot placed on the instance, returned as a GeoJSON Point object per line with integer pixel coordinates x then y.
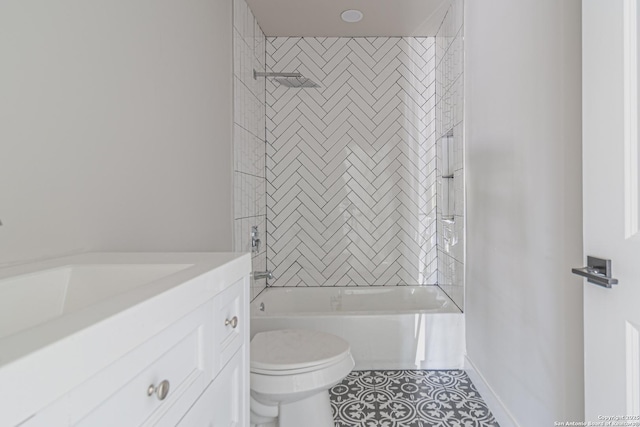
{"type": "Point", "coordinates": [597, 271]}
{"type": "Point", "coordinates": [595, 278]}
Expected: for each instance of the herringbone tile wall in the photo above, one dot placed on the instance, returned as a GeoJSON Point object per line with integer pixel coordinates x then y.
{"type": "Point", "coordinates": [351, 166]}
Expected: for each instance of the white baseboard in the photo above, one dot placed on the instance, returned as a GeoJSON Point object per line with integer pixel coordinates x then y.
{"type": "Point", "coordinates": [498, 409]}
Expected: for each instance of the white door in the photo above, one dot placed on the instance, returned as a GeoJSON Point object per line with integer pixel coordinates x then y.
{"type": "Point", "coordinates": [610, 170]}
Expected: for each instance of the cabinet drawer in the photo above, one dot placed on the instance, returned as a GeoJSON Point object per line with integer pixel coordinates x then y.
{"type": "Point", "coordinates": [230, 323]}
{"type": "Point", "coordinates": [119, 394]}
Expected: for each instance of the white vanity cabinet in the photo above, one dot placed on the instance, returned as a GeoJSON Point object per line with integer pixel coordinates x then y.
{"type": "Point", "coordinates": [177, 355]}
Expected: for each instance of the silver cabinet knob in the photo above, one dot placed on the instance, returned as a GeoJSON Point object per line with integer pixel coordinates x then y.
{"type": "Point", "coordinates": [161, 391]}
{"type": "Point", "coordinates": [233, 322]}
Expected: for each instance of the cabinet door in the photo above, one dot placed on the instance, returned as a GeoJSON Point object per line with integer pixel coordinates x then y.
{"type": "Point", "coordinates": [230, 323]}
{"type": "Point", "coordinates": [225, 402]}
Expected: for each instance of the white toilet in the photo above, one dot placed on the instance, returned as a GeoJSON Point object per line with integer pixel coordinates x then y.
{"type": "Point", "coordinates": [291, 373]}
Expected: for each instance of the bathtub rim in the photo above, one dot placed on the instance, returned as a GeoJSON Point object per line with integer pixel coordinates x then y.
{"type": "Point", "coordinates": [255, 312]}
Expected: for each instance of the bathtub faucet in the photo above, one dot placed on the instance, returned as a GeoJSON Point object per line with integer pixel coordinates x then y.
{"type": "Point", "coordinates": [257, 275]}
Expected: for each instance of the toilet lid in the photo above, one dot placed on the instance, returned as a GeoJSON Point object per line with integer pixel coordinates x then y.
{"type": "Point", "coordinates": [295, 349]}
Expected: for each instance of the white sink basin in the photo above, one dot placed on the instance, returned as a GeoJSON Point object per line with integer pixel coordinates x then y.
{"type": "Point", "coordinates": [30, 299]}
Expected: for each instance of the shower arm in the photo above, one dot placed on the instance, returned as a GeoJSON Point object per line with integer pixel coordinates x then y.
{"type": "Point", "coordinates": [257, 74]}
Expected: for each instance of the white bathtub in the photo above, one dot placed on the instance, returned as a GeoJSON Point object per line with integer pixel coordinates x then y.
{"type": "Point", "coordinates": [399, 327]}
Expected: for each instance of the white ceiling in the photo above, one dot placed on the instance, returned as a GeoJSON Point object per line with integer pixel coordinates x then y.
{"type": "Point", "coordinates": [321, 18]}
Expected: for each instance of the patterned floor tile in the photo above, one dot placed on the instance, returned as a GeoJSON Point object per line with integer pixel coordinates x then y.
{"type": "Point", "coordinates": [353, 402]}
{"type": "Point", "coordinates": [354, 412]}
{"type": "Point", "coordinates": [409, 399]}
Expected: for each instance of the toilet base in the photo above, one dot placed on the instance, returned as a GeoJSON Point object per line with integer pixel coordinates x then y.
{"type": "Point", "coordinates": [313, 411]}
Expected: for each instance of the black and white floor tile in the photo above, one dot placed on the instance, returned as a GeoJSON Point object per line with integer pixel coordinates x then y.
{"type": "Point", "coordinates": [409, 399]}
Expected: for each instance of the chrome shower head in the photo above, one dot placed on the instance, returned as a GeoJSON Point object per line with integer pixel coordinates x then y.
{"type": "Point", "coordinates": [288, 79]}
{"type": "Point", "coordinates": [300, 82]}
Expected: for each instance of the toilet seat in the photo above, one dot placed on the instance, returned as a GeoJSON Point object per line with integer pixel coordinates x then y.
{"type": "Point", "coordinates": [295, 351]}
{"type": "Point", "coordinates": [283, 372]}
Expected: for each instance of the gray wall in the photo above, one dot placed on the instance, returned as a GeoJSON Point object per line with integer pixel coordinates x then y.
{"type": "Point", "coordinates": [524, 209]}
{"type": "Point", "coordinates": [115, 127]}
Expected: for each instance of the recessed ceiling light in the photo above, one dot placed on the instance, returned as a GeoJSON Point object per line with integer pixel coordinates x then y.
{"type": "Point", "coordinates": [351, 15]}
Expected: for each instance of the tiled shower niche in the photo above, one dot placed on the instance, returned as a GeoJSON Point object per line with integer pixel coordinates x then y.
{"type": "Point", "coordinates": [450, 152]}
